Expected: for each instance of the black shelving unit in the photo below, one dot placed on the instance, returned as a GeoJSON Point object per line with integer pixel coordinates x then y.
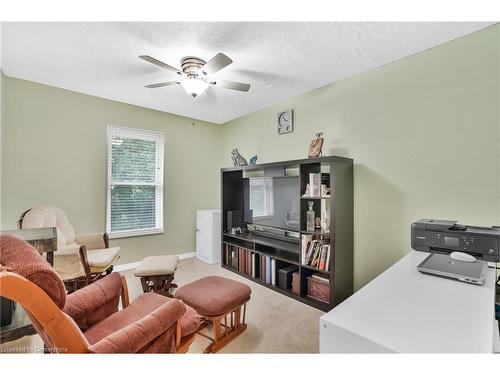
{"type": "Point", "coordinates": [338, 173]}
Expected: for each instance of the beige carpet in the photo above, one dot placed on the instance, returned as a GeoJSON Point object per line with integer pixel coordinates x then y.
{"type": "Point", "coordinates": [276, 324]}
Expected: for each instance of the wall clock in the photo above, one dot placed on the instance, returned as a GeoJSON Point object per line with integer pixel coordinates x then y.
{"type": "Point", "coordinates": [285, 122]}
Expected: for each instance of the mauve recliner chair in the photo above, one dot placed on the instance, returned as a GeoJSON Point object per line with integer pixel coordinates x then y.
{"type": "Point", "coordinates": [88, 320]}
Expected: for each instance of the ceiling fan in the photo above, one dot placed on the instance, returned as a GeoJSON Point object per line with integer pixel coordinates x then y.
{"type": "Point", "coordinates": [196, 74]}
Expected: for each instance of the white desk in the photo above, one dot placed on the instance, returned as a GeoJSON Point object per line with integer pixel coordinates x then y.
{"type": "Point", "coordinates": [405, 311]}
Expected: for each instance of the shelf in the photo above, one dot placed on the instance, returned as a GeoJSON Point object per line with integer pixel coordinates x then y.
{"type": "Point", "coordinates": [317, 303]}
{"type": "Point", "coordinates": [314, 198]}
{"type": "Point", "coordinates": [326, 272]}
{"type": "Point", "coordinates": [307, 300]}
{"type": "Point", "coordinates": [278, 254]}
{"type": "Point", "coordinates": [271, 242]}
{"type": "Point", "coordinates": [308, 161]}
{"type": "Point", "coordinates": [240, 246]}
{"type": "Point", "coordinates": [316, 232]}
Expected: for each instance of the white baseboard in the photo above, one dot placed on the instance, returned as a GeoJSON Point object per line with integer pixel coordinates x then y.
{"type": "Point", "coordinates": [186, 255]}
{"type": "Point", "coordinates": [131, 266]}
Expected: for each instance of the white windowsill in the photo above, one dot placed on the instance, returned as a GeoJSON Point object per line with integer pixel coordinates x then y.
{"type": "Point", "coordinates": [135, 233]}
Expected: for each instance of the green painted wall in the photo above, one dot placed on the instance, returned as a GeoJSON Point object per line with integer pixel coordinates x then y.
{"type": "Point", "coordinates": [423, 133]}
{"type": "Point", "coordinates": [54, 151]}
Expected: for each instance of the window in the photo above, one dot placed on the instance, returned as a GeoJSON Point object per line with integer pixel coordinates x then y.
{"type": "Point", "coordinates": [262, 196]}
{"type": "Point", "coordinates": [135, 182]}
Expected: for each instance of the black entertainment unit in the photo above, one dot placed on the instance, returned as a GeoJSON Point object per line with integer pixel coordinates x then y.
{"type": "Point", "coordinates": [277, 250]}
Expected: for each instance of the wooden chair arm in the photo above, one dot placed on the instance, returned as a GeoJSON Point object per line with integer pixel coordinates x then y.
{"type": "Point", "coordinates": [84, 259]}
{"type": "Point", "coordinates": [124, 295]}
{"type": "Point", "coordinates": [47, 318]}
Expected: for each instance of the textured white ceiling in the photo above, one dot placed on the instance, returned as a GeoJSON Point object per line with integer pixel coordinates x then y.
{"type": "Point", "coordinates": [279, 60]}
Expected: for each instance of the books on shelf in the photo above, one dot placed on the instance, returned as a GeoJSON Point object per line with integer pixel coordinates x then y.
{"type": "Point", "coordinates": [248, 264]}
{"type": "Point", "coordinates": [306, 239]}
{"type": "Point", "coordinates": [262, 275]}
{"type": "Point", "coordinates": [242, 260]}
{"type": "Point", "coordinates": [268, 270]}
{"type": "Point", "coordinates": [327, 266]}
{"type": "Point", "coordinates": [315, 253]}
{"type": "Point", "coordinates": [273, 271]}
{"type": "Point", "coordinates": [322, 257]}
{"type": "Point", "coordinates": [251, 263]}
{"type": "Point", "coordinates": [231, 256]}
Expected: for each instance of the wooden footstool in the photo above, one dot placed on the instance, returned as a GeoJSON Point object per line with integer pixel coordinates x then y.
{"type": "Point", "coordinates": [215, 299]}
{"type": "Point", "coordinates": [157, 273]}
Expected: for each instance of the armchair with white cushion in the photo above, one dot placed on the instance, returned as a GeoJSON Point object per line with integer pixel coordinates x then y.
{"type": "Point", "coordinates": [79, 259]}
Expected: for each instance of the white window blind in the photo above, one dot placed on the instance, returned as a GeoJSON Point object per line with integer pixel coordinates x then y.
{"type": "Point", "coordinates": [262, 196]}
{"type": "Point", "coordinates": [135, 182]}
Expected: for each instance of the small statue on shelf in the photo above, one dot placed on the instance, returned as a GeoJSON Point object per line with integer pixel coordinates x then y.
{"type": "Point", "coordinates": [324, 222]}
{"type": "Point", "coordinates": [310, 215]}
{"type": "Point", "coordinates": [308, 191]}
{"type": "Point", "coordinates": [325, 191]}
{"type": "Point", "coordinates": [316, 146]}
{"type": "Point", "coordinates": [317, 223]}
{"type": "Point", "coordinates": [238, 160]}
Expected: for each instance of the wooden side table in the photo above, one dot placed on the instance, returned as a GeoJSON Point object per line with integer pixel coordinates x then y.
{"type": "Point", "coordinates": [45, 241]}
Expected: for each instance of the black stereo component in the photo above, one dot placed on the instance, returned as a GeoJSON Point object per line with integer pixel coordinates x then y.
{"type": "Point", "coordinates": [285, 277]}
{"type": "Point", "coordinates": [234, 219]}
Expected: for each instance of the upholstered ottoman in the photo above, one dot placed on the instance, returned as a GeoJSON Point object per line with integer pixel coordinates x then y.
{"type": "Point", "coordinates": [157, 273]}
{"type": "Point", "coordinates": [218, 299]}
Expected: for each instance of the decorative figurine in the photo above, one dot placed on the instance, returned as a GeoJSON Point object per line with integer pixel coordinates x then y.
{"type": "Point", "coordinates": [310, 215]}
{"type": "Point", "coordinates": [253, 160]}
{"type": "Point", "coordinates": [238, 160]}
{"type": "Point", "coordinates": [325, 191]}
{"type": "Point", "coordinates": [315, 185]}
{"type": "Point", "coordinates": [317, 223]}
{"type": "Point", "coordinates": [236, 230]}
{"type": "Point", "coordinates": [308, 191]}
{"type": "Point", "coordinates": [324, 222]}
{"type": "Point", "coordinates": [315, 148]}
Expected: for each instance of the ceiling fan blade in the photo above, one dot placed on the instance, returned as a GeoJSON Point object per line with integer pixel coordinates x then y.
{"type": "Point", "coordinates": [217, 63]}
{"type": "Point", "coordinates": [231, 85]}
{"type": "Point", "coordinates": [161, 84]}
{"type": "Point", "coordinates": [159, 63]}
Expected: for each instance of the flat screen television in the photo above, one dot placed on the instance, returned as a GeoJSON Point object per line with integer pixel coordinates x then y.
{"type": "Point", "coordinates": [272, 202]}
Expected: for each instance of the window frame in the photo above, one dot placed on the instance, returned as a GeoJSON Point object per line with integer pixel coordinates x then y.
{"type": "Point", "coordinates": [148, 135]}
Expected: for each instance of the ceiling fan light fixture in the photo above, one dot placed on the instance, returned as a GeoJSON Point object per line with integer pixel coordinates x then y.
{"type": "Point", "coordinates": [197, 74]}
{"type": "Point", "coordinates": [194, 86]}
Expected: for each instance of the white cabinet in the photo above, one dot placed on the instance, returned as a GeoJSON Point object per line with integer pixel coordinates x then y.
{"type": "Point", "coordinates": [405, 311]}
{"type": "Point", "coordinates": [208, 236]}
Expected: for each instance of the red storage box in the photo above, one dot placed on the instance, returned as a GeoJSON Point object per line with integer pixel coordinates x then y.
{"type": "Point", "coordinates": [318, 289]}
